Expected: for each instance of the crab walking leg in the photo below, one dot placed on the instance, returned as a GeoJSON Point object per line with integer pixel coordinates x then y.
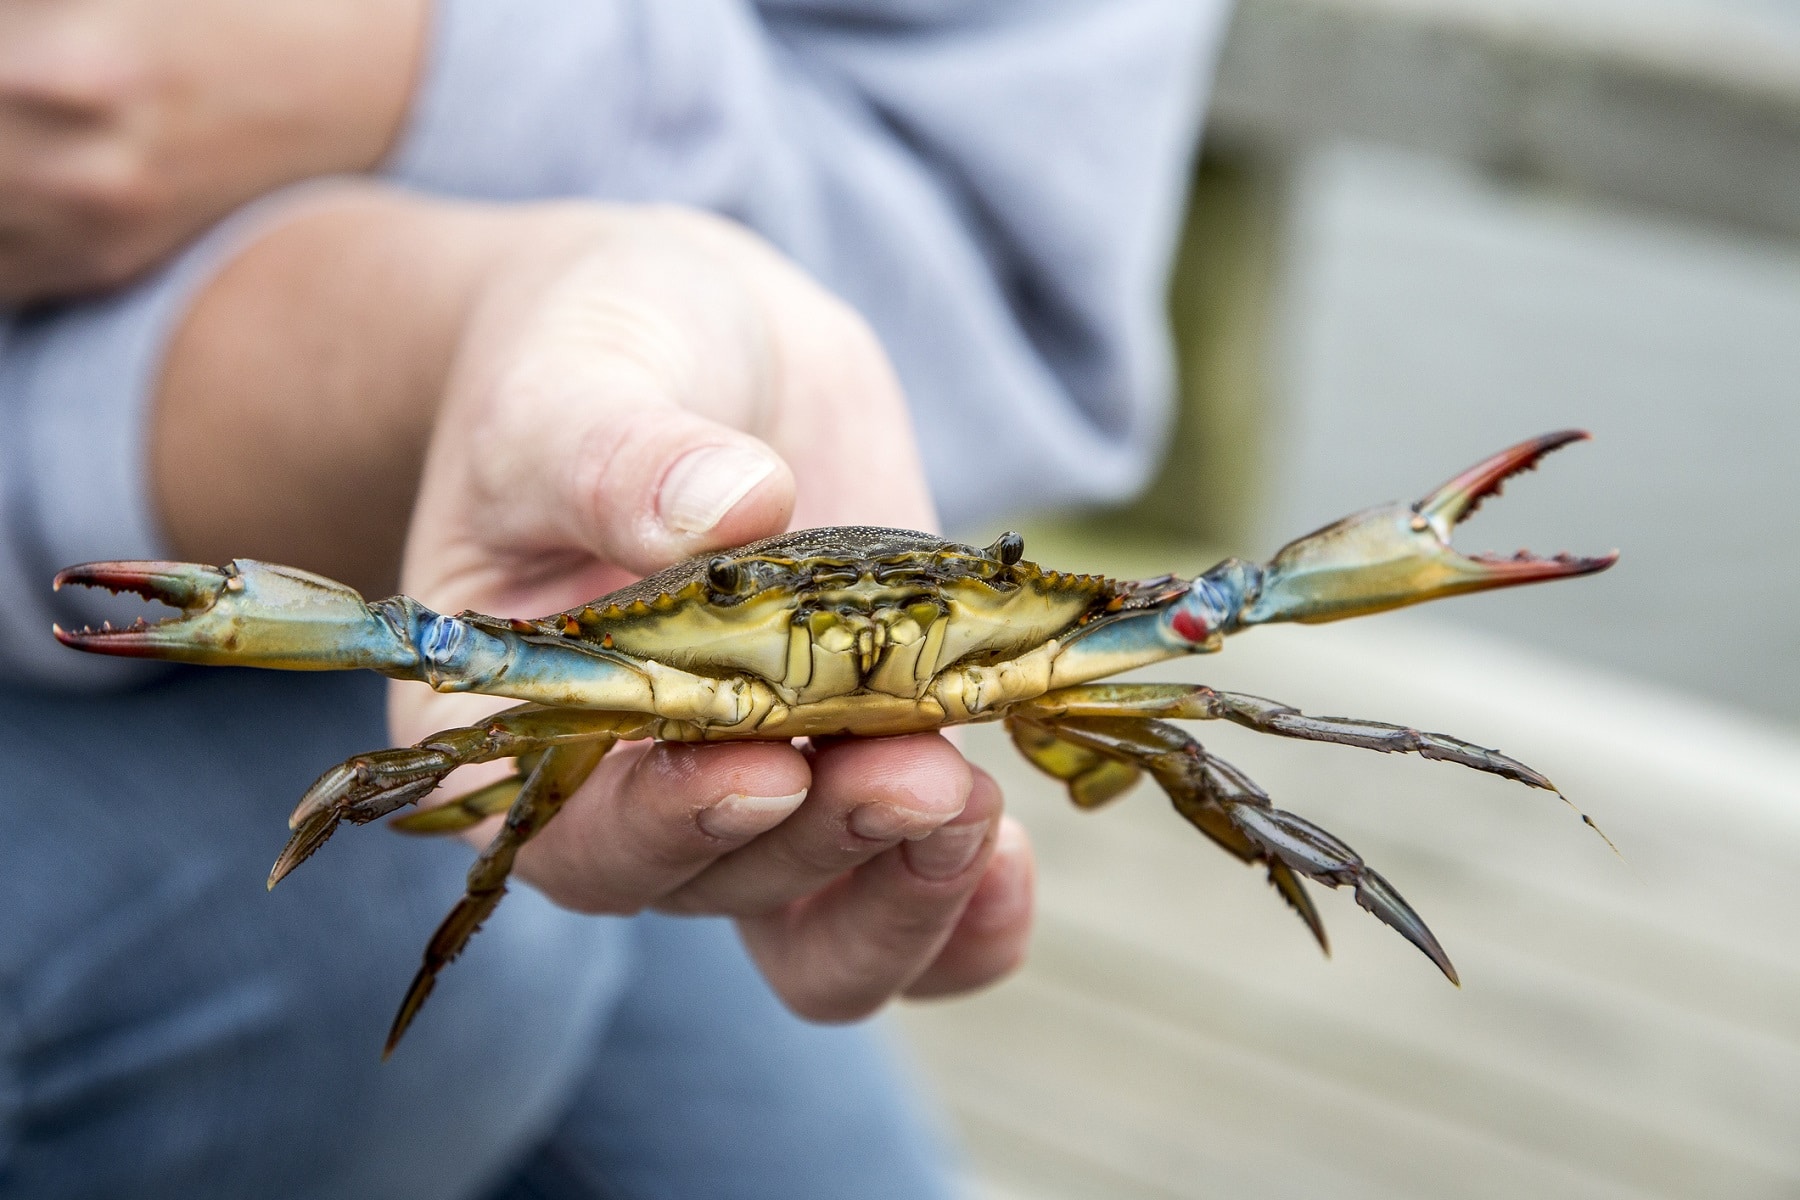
{"type": "Point", "coordinates": [375, 784]}
{"type": "Point", "coordinates": [1203, 786]}
{"type": "Point", "coordinates": [1095, 776]}
{"type": "Point", "coordinates": [467, 811]}
{"type": "Point", "coordinates": [561, 770]}
{"type": "Point", "coordinates": [1194, 702]}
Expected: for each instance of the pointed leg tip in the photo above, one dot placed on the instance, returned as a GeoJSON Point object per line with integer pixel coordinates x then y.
{"type": "Point", "coordinates": [285, 862]}
{"type": "Point", "coordinates": [290, 858]}
{"type": "Point", "coordinates": [1428, 945]}
{"type": "Point", "coordinates": [1439, 959]}
{"type": "Point", "coordinates": [292, 855]}
{"type": "Point", "coordinates": [1378, 896]}
{"type": "Point", "coordinates": [1590, 823]}
{"type": "Point", "coordinates": [416, 994]}
{"type": "Point", "coordinates": [305, 841]}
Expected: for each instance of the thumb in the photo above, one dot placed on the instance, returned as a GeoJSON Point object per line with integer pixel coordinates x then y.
{"type": "Point", "coordinates": [613, 428]}
{"type": "Point", "coordinates": [647, 486]}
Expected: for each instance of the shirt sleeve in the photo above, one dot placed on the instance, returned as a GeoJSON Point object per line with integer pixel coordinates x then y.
{"type": "Point", "coordinates": [995, 184]}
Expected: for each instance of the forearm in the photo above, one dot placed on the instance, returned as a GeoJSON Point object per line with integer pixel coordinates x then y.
{"type": "Point", "coordinates": [300, 385]}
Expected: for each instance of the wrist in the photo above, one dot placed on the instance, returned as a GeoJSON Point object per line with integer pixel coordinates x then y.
{"type": "Point", "coordinates": [310, 366]}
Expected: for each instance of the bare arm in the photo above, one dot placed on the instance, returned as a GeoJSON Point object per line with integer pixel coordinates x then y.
{"type": "Point", "coordinates": [300, 388]}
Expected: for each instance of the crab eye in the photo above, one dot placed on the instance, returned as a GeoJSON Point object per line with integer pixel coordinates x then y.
{"type": "Point", "coordinates": [1007, 549]}
{"type": "Point", "coordinates": [723, 574]}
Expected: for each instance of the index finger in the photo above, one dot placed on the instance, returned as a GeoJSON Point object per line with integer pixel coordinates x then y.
{"type": "Point", "coordinates": [651, 817]}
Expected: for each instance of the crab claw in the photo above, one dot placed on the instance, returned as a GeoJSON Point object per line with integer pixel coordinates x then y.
{"type": "Point", "coordinates": [1401, 554]}
{"type": "Point", "coordinates": [248, 614]}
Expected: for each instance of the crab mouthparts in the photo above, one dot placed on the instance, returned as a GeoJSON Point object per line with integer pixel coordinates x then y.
{"type": "Point", "coordinates": [1457, 500]}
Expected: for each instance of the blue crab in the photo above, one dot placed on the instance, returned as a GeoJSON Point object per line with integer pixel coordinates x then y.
{"type": "Point", "coordinates": [850, 630]}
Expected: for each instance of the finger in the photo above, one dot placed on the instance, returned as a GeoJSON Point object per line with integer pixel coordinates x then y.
{"type": "Point", "coordinates": [45, 242]}
{"type": "Point", "coordinates": [868, 795]}
{"type": "Point", "coordinates": [648, 820]}
{"type": "Point", "coordinates": [839, 955]}
{"type": "Point", "coordinates": [70, 221]}
{"type": "Point", "coordinates": [53, 64]}
{"type": "Point", "coordinates": [990, 937]}
{"type": "Point", "coordinates": [652, 487]}
{"type": "Point", "coordinates": [613, 423]}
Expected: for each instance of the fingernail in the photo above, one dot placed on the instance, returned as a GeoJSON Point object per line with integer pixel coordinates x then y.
{"type": "Point", "coordinates": [740, 816]}
{"type": "Point", "coordinates": [888, 823]}
{"type": "Point", "coordinates": [948, 852]}
{"type": "Point", "coordinates": [704, 484]}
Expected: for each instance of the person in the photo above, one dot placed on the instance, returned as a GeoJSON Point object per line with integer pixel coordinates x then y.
{"type": "Point", "coordinates": [439, 379]}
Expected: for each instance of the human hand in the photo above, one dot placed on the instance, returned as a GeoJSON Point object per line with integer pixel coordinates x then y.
{"type": "Point", "coordinates": [653, 384]}
{"type": "Point", "coordinates": [127, 126]}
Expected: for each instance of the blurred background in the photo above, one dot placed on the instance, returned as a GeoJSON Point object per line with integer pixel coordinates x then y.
{"type": "Point", "coordinates": [1422, 230]}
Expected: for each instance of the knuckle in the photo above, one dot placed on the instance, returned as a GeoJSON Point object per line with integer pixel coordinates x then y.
{"type": "Point", "coordinates": [685, 221]}
{"type": "Point", "coordinates": [116, 187]}
{"type": "Point", "coordinates": [844, 324]}
{"type": "Point", "coordinates": [805, 865]}
{"type": "Point", "coordinates": [999, 963]}
{"type": "Point", "coordinates": [597, 468]}
{"type": "Point", "coordinates": [25, 280]}
{"type": "Point", "coordinates": [827, 858]}
{"type": "Point", "coordinates": [597, 901]}
{"type": "Point", "coordinates": [857, 362]}
{"type": "Point", "coordinates": [906, 925]}
{"type": "Point", "coordinates": [58, 276]}
{"type": "Point", "coordinates": [93, 73]}
{"type": "Point", "coordinates": [674, 846]}
{"type": "Point", "coordinates": [118, 263]}
{"type": "Point", "coordinates": [824, 1004]}
{"type": "Point", "coordinates": [688, 902]}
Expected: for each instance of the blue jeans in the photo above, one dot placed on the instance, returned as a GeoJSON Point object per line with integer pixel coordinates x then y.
{"type": "Point", "coordinates": [168, 1030]}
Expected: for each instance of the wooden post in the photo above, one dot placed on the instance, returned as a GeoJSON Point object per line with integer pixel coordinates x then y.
{"type": "Point", "coordinates": [1222, 304]}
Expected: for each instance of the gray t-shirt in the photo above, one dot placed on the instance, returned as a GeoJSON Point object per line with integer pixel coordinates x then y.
{"type": "Point", "coordinates": [994, 184]}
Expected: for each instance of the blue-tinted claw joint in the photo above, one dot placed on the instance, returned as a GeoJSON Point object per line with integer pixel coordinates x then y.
{"type": "Point", "coordinates": [247, 613]}
{"type": "Point", "coordinates": [1209, 609]}
{"type": "Point", "coordinates": [1401, 554]}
